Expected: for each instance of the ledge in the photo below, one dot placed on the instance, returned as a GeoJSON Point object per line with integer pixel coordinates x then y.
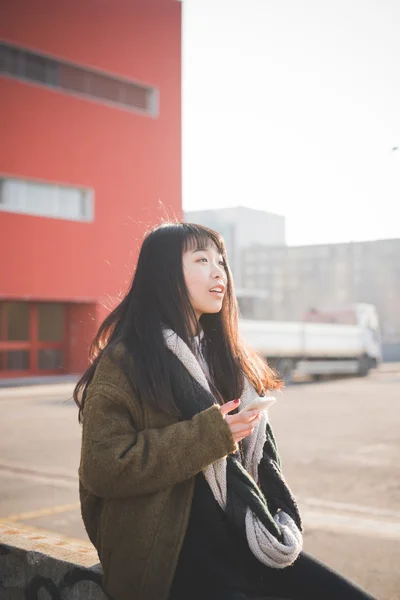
{"type": "Point", "coordinates": [32, 560]}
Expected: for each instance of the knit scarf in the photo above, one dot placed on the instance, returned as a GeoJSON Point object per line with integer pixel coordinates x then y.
{"type": "Point", "coordinates": [253, 493]}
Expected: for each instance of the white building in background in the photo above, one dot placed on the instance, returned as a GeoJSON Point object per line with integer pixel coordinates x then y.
{"type": "Point", "coordinates": [241, 228]}
{"type": "Point", "coordinates": [297, 279]}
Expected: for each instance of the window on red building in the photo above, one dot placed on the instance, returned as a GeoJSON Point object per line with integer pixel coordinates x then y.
{"type": "Point", "coordinates": [76, 79]}
{"type": "Point", "coordinates": [32, 338]}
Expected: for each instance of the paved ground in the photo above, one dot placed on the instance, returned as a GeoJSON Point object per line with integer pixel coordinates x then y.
{"type": "Point", "coordinates": [340, 443]}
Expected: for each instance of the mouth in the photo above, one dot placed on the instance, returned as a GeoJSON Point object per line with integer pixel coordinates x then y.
{"type": "Point", "coordinates": [217, 290]}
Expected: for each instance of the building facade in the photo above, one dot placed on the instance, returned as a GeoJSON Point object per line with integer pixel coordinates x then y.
{"type": "Point", "coordinates": [294, 280]}
{"type": "Point", "coordinates": [91, 149]}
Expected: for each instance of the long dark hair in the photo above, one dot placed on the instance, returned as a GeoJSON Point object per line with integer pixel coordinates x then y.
{"type": "Point", "coordinates": [158, 297]}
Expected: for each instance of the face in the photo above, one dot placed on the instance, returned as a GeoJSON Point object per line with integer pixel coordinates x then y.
{"type": "Point", "coordinates": [205, 279]}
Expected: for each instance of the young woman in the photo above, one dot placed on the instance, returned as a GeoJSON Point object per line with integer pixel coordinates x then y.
{"type": "Point", "coordinates": [181, 487]}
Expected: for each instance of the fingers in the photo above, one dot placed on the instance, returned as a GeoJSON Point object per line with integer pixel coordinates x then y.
{"type": "Point", "coordinates": [242, 436]}
{"type": "Point", "coordinates": [242, 430]}
{"type": "Point", "coordinates": [229, 406]}
{"type": "Point", "coordinates": [239, 436]}
{"type": "Point", "coordinates": [244, 426]}
{"type": "Point", "coordinates": [244, 416]}
{"type": "Point", "coordinates": [243, 423]}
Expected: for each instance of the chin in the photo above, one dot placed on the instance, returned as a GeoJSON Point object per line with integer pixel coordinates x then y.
{"type": "Point", "coordinates": [213, 310]}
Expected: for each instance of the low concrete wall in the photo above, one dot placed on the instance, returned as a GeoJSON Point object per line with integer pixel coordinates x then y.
{"type": "Point", "coordinates": [37, 566]}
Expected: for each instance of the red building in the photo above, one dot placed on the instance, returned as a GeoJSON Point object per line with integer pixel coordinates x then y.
{"type": "Point", "coordinates": [90, 156]}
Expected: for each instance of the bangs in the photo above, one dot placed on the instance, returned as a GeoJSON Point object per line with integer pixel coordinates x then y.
{"type": "Point", "coordinates": [199, 237]}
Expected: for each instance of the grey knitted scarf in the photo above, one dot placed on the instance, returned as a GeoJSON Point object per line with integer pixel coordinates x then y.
{"type": "Point", "coordinates": [269, 516]}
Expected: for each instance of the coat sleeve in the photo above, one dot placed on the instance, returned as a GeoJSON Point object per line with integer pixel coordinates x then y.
{"type": "Point", "coordinates": [117, 461]}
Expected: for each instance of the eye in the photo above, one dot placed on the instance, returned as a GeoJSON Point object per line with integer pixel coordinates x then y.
{"type": "Point", "coordinates": [200, 259]}
{"type": "Point", "coordinates": [222, 263]}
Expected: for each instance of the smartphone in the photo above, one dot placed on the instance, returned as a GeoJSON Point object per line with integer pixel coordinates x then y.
{"type": "Point", "coordinates": [260, 404]}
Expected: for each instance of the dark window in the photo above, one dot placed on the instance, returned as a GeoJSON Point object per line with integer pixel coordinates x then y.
{"type": "Point", "coordinates": [136, 96]}
{"type": "Point", "coordinates": [72, 79]}
{"type": "Point", "coordinates": [24, 64]}
{"type": "Point", "coordinates": [104, 87]}
{"type": "Point", "coordinates": [35, 68]}
{"type": "Point", "coordinates": [50, 359]}
{"type": "Point", "coordinates": [3, 330]}
{"type": "Point", "coordinates": [17, 321]}
{"type": "Point", "coordinates": [3, 58]}
{"type": "Point", "coordinates": [17, 360]}
{"type": "Point", "coordinates": [13, 61]}
{"type": "Point", "coordinates": [51, 322]}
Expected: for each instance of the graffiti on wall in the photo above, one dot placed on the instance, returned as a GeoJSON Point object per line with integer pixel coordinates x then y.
{"type": "Point", "coordinates": [16, 572]}
{"type": "Point", "coordinates": [72, 578]}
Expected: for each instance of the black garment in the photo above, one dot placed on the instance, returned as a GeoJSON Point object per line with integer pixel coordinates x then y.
{"type": "Point", "coordinates": [310, 579]}
{"type": "Point", "coordinates": [214, 554]}
{"type": "Point", "coordinates": [242, 492]}
{"type": "Point", "coordinates": [216, 564]}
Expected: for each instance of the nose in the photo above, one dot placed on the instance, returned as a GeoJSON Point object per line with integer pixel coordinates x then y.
{"type": "Point", "coordinates": [219, 272]}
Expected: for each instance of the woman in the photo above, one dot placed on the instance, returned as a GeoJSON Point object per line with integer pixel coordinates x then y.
{"type": "Point", "coordinates": [181, 493]}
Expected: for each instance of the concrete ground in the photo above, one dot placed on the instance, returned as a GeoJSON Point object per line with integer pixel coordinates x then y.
{"type": "Point", "coordinates": [339, 440]}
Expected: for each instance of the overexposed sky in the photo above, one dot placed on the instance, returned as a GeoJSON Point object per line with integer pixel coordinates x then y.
{"type": "Point", "coordinates": [293, 106]}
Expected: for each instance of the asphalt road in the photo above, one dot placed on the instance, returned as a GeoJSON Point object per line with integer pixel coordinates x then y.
{"type": "Point", "coordinates": [340, 444]}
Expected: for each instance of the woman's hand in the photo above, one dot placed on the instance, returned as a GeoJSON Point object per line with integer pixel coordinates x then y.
{"type": "Point", "coordinates": [243, 423]}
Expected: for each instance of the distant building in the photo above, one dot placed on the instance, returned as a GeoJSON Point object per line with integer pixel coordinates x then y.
{"type": "Point", "coordinates": [90, 126]}
{"type": "Point", "coordinates": [241, 227]}
{"type": "Point", "coordinates": [296, 279]}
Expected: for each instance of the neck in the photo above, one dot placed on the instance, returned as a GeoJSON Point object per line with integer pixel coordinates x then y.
{"type": "Point", "coordinates": [196, 327]}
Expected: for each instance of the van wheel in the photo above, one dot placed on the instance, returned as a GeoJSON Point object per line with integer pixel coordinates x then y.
{"type": "Point", "coordinates": [364, 365]}
{"type": "Point", "coordinates": [317, 377]}
{"type": "Point", "coordinates": [285, 367]}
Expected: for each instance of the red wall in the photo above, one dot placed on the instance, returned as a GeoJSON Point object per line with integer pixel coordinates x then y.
{"type": "Point", "coordinates": [133, 162]}
{"type": "Point", "coordinates": [130, 160]}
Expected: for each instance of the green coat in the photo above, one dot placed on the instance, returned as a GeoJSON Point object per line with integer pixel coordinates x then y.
{"type": "Point", "coordinates": [136, 482]}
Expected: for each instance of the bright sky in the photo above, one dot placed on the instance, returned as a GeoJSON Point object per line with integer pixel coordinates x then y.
{"type": "Point", "coordinates": [293, 106]}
